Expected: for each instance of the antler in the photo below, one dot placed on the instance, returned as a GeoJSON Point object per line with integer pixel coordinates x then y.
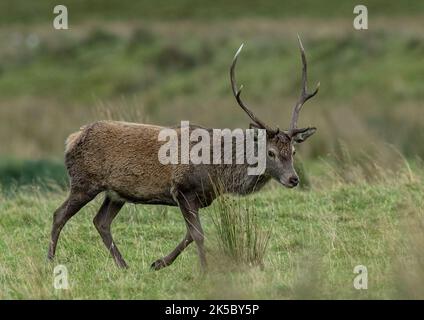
{"type": "Point", "coordinates": [237, 93]}
{"type": "Point", "coordinates": [304, 95]}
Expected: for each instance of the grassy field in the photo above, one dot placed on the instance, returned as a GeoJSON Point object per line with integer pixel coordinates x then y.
{"type": "Point", "coordinates": [360, 202]}
{"type": "Point", "coordinates": [317, 238]}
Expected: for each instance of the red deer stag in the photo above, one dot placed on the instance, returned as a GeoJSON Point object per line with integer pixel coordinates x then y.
{"type": "Point", "coordinates": [121, 159]}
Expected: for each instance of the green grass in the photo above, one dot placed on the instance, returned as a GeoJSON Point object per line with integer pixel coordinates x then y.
{"type": "Point", "coordinates": [317, 238]}
{"type": "Point", "coordinates": [239, 234]}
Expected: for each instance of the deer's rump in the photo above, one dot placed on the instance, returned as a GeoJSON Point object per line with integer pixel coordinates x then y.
{"type": "Point", "coordinates": [122, 159]}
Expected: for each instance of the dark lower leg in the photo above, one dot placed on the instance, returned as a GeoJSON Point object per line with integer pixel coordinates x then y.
{"type": "Point", "coordinates": [56, 229]}
{"type": "Point", "coordinates": [170, 258]}
{"type": "Point", "coordinates": [62, 215]}
{"type": "Point", "coordinates": [196, 232]}
{"type": "Point", "coordinates": [194, 227]}
{"type": "Point", "coordinates": [103, 221]}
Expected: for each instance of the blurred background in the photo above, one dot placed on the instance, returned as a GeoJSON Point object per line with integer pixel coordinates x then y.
{"type": "Point", "coordinates": [165, 61]}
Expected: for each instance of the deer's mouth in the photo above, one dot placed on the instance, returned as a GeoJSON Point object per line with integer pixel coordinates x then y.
{"type": "Point", "coordinates": [287, 184]}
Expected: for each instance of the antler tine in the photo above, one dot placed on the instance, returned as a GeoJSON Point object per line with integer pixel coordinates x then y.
{"type": "Point", "coordinates": [237, 93]}
{"type": "Point", "coordinates": [304, 95]}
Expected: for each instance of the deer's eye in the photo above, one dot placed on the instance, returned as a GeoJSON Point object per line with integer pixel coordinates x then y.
{"type": "Point", "coordinates": [294, 152]}
{"type": "Point", "coordinates": [271, 154]}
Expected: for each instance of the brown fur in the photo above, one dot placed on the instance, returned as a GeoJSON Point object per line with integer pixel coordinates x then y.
{"type": "Point", "coordinates": [121, 159]}
{"type": "Point", "coordinates": [71, 140]}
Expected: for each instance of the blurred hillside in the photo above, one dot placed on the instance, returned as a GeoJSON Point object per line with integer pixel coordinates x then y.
{"type": "Point", "coordinates": [21, 11]}
{"type": "Point", "coordinates": [162, 62]}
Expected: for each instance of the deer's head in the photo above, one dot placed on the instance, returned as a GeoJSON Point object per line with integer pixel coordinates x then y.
{"type": "Point", "coordinates": [280, 147]}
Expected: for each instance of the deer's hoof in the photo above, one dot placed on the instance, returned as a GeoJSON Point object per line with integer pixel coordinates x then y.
{"type": "Point", "coordinates": [158, 264]}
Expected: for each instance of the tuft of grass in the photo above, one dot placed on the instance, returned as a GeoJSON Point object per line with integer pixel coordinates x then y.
{"type": "Point", "coordinates": [239, 233]}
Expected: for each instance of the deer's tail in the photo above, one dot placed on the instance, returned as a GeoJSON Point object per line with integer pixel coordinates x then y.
{"type": "Point", "coordinates": [72, 140]}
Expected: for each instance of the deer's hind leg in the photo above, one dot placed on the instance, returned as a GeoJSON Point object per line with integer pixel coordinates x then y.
{"type": "Point", "coordinates": [76, 200]}
{"type": "Point", "coordinates": [103, 220]}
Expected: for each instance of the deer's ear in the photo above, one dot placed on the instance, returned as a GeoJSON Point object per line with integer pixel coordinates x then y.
{"type": "Point", "coordinates": [303, 134]}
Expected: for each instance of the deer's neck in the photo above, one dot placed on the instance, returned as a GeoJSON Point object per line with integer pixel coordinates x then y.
{"type": "Point", "coordinates": [234, 179]}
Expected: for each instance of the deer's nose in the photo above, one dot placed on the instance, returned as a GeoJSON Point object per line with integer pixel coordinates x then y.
{"type": "Point", "coordinates": [294, 180]}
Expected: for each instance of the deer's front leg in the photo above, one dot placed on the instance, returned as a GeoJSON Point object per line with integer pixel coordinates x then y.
{"type": "Point", "coordinates": [170, 258]}
{"type": "Point", "coordinates": [189, 208]}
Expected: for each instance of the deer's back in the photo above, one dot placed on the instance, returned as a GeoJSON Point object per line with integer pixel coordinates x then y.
{"type": "Point", "coordinates": [121, 158]}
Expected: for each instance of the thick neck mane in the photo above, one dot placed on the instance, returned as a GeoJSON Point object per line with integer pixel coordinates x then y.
{"type": "Point", "coordinates": [231, 178]}
{"type": "Point", "coordinates": [234, 179]}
